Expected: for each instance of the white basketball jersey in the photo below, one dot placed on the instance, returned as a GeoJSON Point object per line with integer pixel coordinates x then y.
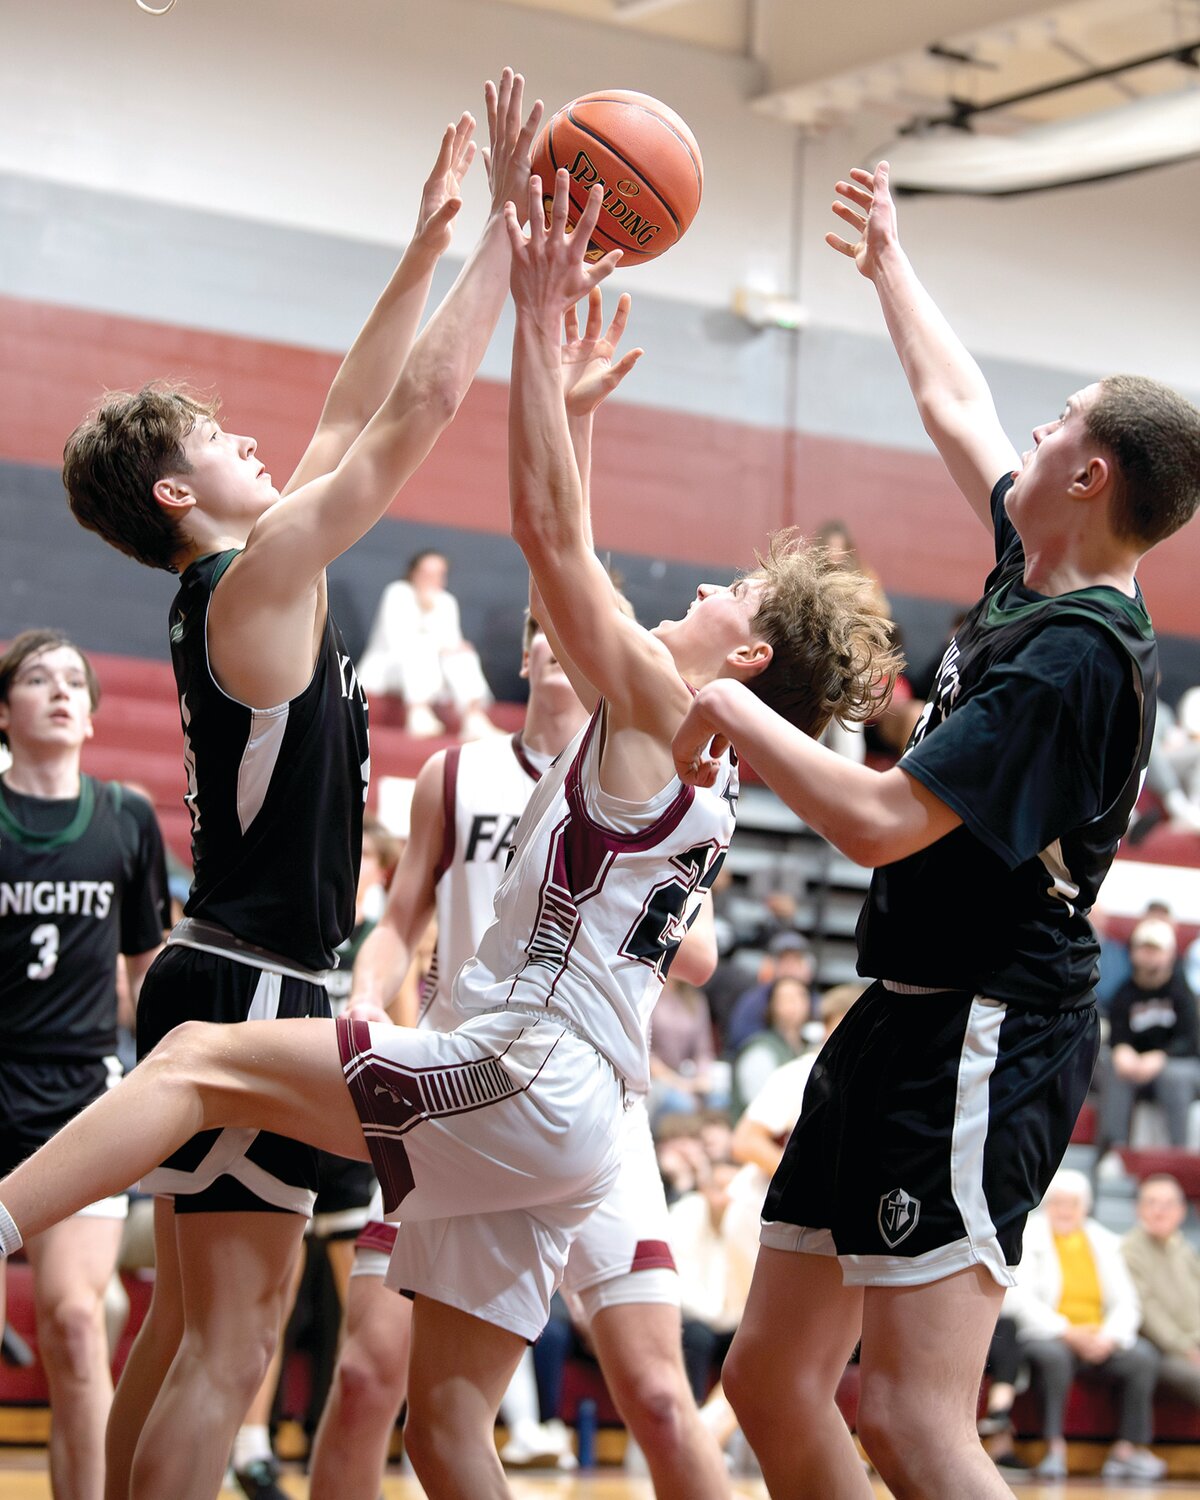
{"type": "Point", "coordinates": [598, 896]}
{"type": "Point", "coordinates": [485, 787]}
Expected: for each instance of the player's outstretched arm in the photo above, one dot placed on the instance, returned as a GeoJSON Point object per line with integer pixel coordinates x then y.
{"type": "Point", "coordinates": [873, 817]}
{"type": "Point", "coordinates": [377, 355]}
{"type": "Point", "coordinates": [386, 952]}
{"type": "Point", "coordinates": [951, 394]}
{"type": "Point", "coordinates": [591, 372]}
{"type": "Point", "coordinates": [618, 659]}
{"type": "Point", "coordinates": [296, 539]}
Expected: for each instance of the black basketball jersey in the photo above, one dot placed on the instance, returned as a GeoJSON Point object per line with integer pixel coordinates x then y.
{"type": "Point", "coordinates": [71, 899]}
{"type": "Point", "coordinates": [1037, 734]}
{"type": "Point", "coordinates": [276, 795]}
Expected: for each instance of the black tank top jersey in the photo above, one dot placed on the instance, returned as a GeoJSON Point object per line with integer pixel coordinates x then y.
{"type": "Point", "coordinates": [73, 896]}
{"type": "Point", "coordinates": [1037, 733]}
{"type": "Point", "coordinates": [276, 795]}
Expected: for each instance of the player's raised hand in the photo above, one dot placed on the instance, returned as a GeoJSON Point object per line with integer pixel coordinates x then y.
{"type": "Point", "coordinates": [590, 368]}
{"type": "Point", "coordinates": [870, 212]}
{"type": "Point", "coordinates": [697, 748]}
{"type": "Point", "coordinates": [441, 197]}
{"type": "Point", "coordinates": [511, 140]}
{"type": "Point", "coordinates": [550, 271]}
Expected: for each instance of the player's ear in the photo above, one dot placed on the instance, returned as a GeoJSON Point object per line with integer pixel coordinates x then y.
{"type": "Point", "coordinates": [750, 659]}
{"type": "Point", "coordinates": [524, 672]}
{"type": "Point", "coordinates": [172, 493]}
{"type": "Point", "coordinates": [1092, 477]}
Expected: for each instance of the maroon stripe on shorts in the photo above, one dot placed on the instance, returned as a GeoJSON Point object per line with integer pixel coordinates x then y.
{"type": "Point", "coordinates": [379, 1109]}
{"type": "Point", "coordinates": [652, 1255]}
{"type": "Point", "coordinates": [376, 1235]}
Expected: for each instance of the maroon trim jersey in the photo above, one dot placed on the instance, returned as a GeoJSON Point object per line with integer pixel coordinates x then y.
{"type": "Point", "coordinates": [597, 898]}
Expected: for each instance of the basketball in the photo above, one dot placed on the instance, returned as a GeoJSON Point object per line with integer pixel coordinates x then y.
{"type": "Point", "coordinates": [644, 155]}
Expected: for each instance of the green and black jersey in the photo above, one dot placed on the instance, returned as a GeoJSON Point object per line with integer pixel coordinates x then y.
{"type": "Point", "coordinates": [276, 794]}
{"type": "Point", "coordinates": [1037, 733]}
{"type": "Point", "coordinates": [81, 880]}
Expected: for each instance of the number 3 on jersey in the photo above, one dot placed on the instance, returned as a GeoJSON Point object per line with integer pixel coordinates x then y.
{"type": "Point", "coordinates": [45, 940]}
{"type": "Point", "coordinates": [671, 908]}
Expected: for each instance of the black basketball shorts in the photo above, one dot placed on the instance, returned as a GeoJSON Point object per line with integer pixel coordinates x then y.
{"type": "Point", "coordinates": [223, 1171]}
{"type": "Point", "coordinates": [932, 1125]}
{"type": "Point", "coordinates": [39, 1095]}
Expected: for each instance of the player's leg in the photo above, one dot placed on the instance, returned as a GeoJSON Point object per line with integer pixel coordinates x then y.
{"type": "Point", "coordinates": [149, 1359]}
{"type": "Point", "coordinates": [368, 1390]}
{"type": "Point", "coordinates": [781, 1376]}
{"type": "Point", "coordinates": [236, 1272]}
{"type": "Point", "coordinates": [284, 1076]}
{"type": "Point", "coordinates": [252, 1460]}
{"type": "Point", "coordinates": [639, 1346]}
{"type": "Point", "coordinates": [923, 1352]}
{"type": "Point", "coordinates": [72, 1264]}
{"type": "Point", "coordinates": [459, 1368]}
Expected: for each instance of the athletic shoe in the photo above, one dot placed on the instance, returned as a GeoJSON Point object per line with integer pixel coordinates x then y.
{"type": "Point", "coordinates": [257, 1480]}
{"type": "Point", "coordinates": [1141, 1464]}
{"type": "Point", "coordinates": [538, 1443]}
{"type": "Point", "coordinates": [1053, 1466]}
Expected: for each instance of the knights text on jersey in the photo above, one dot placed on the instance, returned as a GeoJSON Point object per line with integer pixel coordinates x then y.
{"type": "Point", "coordinates": [71, 900]}
{"type": "Point", "coordinates": [596, 901]}
{"type": "Point", "coordinates": [1037, 734]}
{"type": "Point", "coordinates": [276, 795]}
{"type": "Point", "coordinates": [486, 784]}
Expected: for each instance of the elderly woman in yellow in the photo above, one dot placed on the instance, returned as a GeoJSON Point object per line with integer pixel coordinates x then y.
{"type": "Point", "coordinates": [1077, 1316]}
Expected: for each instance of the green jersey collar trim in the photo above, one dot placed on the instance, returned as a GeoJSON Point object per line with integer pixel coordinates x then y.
{"type": "Point", "coordinates": [30, 839]}
{"type": "Point", "coordinates": [1105, 605]}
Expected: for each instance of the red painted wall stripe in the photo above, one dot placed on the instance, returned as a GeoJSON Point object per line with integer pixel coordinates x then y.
{"type": "Point", "coordinates": [666, 484]}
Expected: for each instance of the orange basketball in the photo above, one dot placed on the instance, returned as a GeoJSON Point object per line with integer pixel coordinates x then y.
{"type": "Point", "coordinates": [645, 156]}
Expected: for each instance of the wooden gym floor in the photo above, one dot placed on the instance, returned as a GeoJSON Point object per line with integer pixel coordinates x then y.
{"type": "Point", "coordinates": [22, 1477]}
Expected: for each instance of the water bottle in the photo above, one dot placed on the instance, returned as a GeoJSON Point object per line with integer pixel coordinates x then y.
{"type": "Point", "coordinates": [585, 1432]}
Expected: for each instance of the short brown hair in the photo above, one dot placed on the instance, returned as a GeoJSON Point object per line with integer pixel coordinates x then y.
{"type": "Point", "coordinates": [33, 643]}
{"type": "Point", "coordinates": [833, 655]}
{"type": "Point", "coordinates": [114, 458]}
{"type": "Point", "coordinates": [1153, 435]}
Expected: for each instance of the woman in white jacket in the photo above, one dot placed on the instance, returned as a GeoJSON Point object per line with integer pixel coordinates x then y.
{"type": "Point", "coordinates": [1077, 1315]}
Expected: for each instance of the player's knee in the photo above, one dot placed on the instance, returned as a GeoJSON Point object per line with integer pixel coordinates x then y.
{"type": "Point", "coordinates": [742, 1382]}
{"type": "Point", "coordinates": [897, 1421]}
{"type": "Point", "coordinates": [370, 1380]}
{"type": "Point", "coordinates": [71, 1333]}
{"type": "Point", "coordinates": [655, 1400]}
{"type": "Point", "coordinates": [184, 1048]}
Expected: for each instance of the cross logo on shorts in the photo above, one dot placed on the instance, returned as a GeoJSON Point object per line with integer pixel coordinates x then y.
{"type": "Point", "coordinates": [898, 1215]}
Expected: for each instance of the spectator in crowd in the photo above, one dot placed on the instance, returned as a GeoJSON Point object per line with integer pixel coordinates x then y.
{"type": "Point", "coordinates": [1173, 775]}
{"type": "Point", "coordinates": [788, 957]}
{"type": "Point", "coordinates": [682, 1160]}
{"type": "Point", "coordinates": [768, 1120]}
{"type": "Point", "coordinates": [1166, 1272]}
{"type": "Point", "coordinates": [1077, 1317]}
{"type": "Point", "coordinates": [789, 1006]}
{"type": "Point", "coordinates": [87, 857]}
{"type": "Point", "coordinates": [416, 652]}
{"type": "Point", "coordinates": [1154, 1038]}
{"type": "Point", "coordinates": [712, 1292]}
{"type": "Point", "coordinates": [681, 1052]}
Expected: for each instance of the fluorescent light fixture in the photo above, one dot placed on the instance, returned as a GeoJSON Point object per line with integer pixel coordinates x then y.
{"type": "Point", "coordinates": [1147, 133]}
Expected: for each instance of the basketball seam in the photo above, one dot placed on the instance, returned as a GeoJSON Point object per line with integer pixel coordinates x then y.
{"type": "Point", "coordinates": [654, 115]}
{"type": "Point", "coordinates": [634, 169]}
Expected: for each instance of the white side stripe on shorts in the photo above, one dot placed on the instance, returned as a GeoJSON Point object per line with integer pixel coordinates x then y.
{"type": "Point", "coordinates": [977, 1063]}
